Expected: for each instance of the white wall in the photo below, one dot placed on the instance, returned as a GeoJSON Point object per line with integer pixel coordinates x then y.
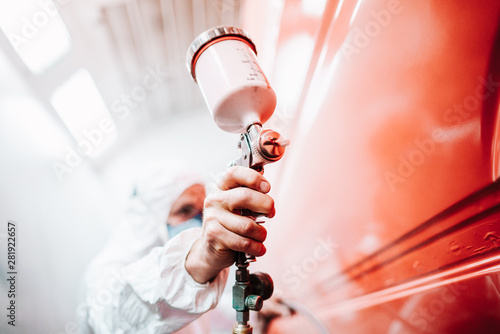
{"type": "Point", "coordinates": [62, 225]}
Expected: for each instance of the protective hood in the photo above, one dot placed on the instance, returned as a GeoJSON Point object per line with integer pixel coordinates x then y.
{"type": "Point", "coordinates": [161, 183]}
{"type": "Point", "coordinates": [158, 186]}
{"type": "Point", "coordinates": [143, 226]}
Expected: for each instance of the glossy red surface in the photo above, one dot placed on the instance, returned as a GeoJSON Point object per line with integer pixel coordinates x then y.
{"type": "Point", "coordinates": [388, 209]}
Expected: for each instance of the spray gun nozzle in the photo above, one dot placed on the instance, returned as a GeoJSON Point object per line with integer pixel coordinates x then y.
{"type": "Point", "coordinates": [272, 145]}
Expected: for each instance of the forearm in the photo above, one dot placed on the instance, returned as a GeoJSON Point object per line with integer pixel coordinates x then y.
{"type": "Point", "coordinates": [154, 294]}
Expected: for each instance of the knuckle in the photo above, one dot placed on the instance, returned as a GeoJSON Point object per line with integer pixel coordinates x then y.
{"type": "Point", "coordinates": [212, 200]}
{"type": "Point", "coordinates": [231, 171]}
{"type": "Point", "coordinates": [209, 215]}
{"type": "Point", "coordinates": [208, 203]}
{"type": "Point", "coordinates": [248, 227]}
{"type": "Point", "coordinates": [246, 245]}
{"type": "Point", "coordinates": [254, 179]}
{"type": "Point", "coordinates": [229, 174]}
{"type": "Point", "coordinates": [239, 195]}
{"type": "Point", "coordinates": [211, 230]}
{"type": "Point", "coordinates": [217, 247]}
{"type": "Point", "coordinates": [243, 194]}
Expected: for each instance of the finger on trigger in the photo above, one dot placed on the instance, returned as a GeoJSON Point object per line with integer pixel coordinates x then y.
{"type": "Point", "coordinates": [248, 199]}
{"type": "Point", "coordinates": [238, 176]}
{"type": "Point", "coordinates": [247, 245]}
{"type": "Point", "coordinates": [243, 226]}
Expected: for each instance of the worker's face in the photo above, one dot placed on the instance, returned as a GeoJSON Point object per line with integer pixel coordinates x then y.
{"type": "Point", "coordinates": [188, 205]}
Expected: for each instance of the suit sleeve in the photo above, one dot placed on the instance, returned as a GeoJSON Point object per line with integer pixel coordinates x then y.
{"type": "Point", "coordinates": [154, 294]}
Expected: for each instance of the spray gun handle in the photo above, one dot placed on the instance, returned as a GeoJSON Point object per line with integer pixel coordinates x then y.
{"type": "Point", "coordinates": [258, 147]}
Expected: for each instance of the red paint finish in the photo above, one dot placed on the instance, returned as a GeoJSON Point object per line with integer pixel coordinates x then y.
{"type": "Point", "coordinates": [388, 209]}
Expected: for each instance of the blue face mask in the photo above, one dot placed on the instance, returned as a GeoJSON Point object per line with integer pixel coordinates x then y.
{"type": "Point", "coordinates": [196, 221]}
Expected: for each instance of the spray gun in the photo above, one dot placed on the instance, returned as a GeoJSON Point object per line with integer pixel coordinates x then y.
{"type": "Point", "coordinates": [223, 62]}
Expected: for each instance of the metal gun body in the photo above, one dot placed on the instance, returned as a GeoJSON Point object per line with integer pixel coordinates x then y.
{"type": "Point", "coordinates": [258, 147]}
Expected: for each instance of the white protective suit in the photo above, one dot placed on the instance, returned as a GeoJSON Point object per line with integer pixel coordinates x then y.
{"type": "Point", "coordinates": [139, 284]}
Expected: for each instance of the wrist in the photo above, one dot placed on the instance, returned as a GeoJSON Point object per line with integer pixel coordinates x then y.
{"type": "Point", "coordinates": [198, 266]}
